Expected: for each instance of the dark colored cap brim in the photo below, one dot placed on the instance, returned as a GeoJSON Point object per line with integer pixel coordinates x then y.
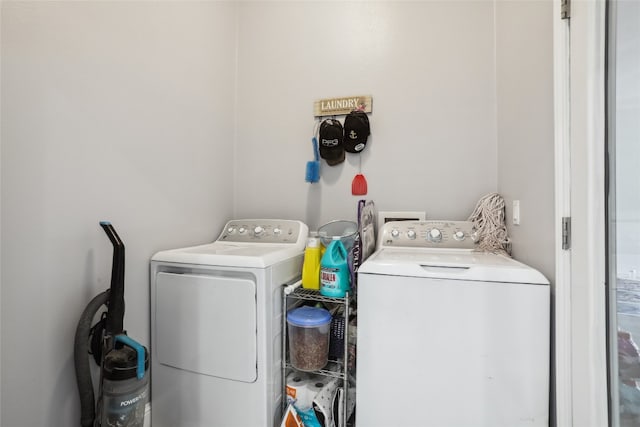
{"type": "Point", "coordinates": [333, 156]}
{"type": "Point", "coordinates": [355, 146]}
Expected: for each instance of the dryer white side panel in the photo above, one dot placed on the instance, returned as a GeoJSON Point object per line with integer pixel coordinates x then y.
{"type": "Point", "coordinates": [207, 325]}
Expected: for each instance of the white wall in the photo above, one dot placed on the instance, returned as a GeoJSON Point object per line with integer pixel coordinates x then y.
{"type": "Point", "coordinates": [525, 118]}
{"type": "Point", "coordinates": [524, 76]}
{"type": "Point", "coordinates": [430, 69]}
{"type": "Point", "coordinates": [125, 111]}
{"type": "Point", "coordinates": [110, 110]}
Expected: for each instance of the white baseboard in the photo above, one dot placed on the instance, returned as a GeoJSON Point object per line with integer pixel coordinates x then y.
{"type": "Point", "coordinates": [147, 415]}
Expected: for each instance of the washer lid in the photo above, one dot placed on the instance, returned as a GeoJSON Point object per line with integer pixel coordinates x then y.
{"type": "Point", "coordinates": [456, 264]}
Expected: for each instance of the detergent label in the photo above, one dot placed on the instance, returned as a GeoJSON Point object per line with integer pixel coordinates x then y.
{"type": "Point", "coordinates": [291, 392]}
{"type": "Point", "coordinates": [330, 278]}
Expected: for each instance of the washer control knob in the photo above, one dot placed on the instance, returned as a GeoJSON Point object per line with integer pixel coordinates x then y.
{"type": "Point", "coordinates": [258, 230]}
{"type": "Point", "coordinates": [231, 230]}
{"type": "Point", "coordinates": [277, 231]}
{"type": "Point", "coordinates": [434, 235]}
{"type": "Point", "coordinates": [242, 230]}
{"type": "Point", "coordinates": [458, 235]}
{"type": "Point", "coordinates": [395, 233]}
{"type": "Point", "coordinates": [411, 234]}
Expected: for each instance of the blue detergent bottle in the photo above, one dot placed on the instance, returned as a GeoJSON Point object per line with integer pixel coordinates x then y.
{"type": "Point", "coordinates": [334, 270]}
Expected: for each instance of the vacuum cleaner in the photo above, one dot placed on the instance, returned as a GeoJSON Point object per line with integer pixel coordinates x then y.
{"type": "Point", "coordinates": [124, 363]}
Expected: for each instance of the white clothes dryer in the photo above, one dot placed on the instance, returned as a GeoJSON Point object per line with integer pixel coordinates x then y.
{"type": "Point", "coordinates": [448, 336]}
{"type": "Point", "coordinates": [216, 313]}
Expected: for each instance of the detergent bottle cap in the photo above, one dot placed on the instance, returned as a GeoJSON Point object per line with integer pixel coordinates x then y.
{"type": "Point", "coordinates": [313, 241]}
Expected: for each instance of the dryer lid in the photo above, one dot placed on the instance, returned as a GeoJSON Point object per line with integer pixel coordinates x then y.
{"type": "Point", "coordinates": [253, 243]}
{"type": "Point", "coordinates": [207, 325]}
{"type": "Point", "coordinates": [457, 264]}
{"type": "Point", "coordinates": [230, 255]}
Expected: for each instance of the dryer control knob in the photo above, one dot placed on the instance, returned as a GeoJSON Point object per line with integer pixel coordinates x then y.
{"type": "Point", "coordinates": [231, 230]}
{"type": "Point", "coordinates": [277, 231]}
{"type": "Point", "coordinates": [395, 233]}
{"type": "Point", "coordinates": [459, 235]}
{"type": "Point", "coordinates": [258, 230]}
{"type": "Point", "coordinates": [242, 230]}
{"type": "Point", "coordinates": [411, 234]}
{"type": "Point", "coordinates": [434, 235]}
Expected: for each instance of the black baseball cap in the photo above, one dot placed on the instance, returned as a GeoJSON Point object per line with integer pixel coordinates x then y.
{"type": "Point", "coordinates": [356, 131]}
{"type": "Point", "coordinates": [331, 142]}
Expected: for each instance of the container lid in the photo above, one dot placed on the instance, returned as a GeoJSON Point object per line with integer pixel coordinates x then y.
{"type": "Point", "coordinates": [308, 316]}
{"type": "Point", "coordinates": [121, 364]}
{"type": "Point", "coordinates": [344, 230]}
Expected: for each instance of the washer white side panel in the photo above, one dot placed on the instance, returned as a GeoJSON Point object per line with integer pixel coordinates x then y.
{"type": "Point", "coordinates": [452, 353]}
{"type": "Point", "coordinates": [207, 325]}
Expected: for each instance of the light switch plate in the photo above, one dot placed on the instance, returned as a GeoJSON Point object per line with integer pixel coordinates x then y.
{"type": "Point", "coordinates": [516, 212]}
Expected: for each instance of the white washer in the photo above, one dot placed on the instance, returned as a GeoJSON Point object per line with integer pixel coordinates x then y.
{"type": "Point", "coordinates": [216, 313]}
{"type": "Point", "coordinates": [449, 337]}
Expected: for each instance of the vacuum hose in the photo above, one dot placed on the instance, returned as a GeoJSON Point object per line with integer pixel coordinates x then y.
{"type": "Point", "coordinates": [82, 362]}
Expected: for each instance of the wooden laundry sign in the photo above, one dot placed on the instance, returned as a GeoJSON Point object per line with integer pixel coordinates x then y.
{"type": "Point", "coordinates": [339, 106]}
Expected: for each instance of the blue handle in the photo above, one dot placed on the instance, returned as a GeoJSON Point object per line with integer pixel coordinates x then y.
{"type": "Point", "coordinates": [314, 140]}
{"type": "Point", "coordinates": [124, 339]}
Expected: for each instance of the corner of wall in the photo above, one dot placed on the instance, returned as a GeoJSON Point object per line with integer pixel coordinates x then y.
{"type": "Point", "coordinates": [235, 108]}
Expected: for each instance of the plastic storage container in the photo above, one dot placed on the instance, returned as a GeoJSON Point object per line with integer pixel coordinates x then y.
{"type": "Point", "coordinates": [308, 331]}
{"type": "Point", "coordinates": [124, 391]}
{"type": "Point", "coordinates": [334, 270]}
{"type": "Point", "coordinates": [346, 231]}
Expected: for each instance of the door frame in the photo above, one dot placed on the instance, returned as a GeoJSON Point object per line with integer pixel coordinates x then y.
{"type": "Point", "coordinates": [581, 389]}
{"type": "Point", "coordinates": [562, 291]}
